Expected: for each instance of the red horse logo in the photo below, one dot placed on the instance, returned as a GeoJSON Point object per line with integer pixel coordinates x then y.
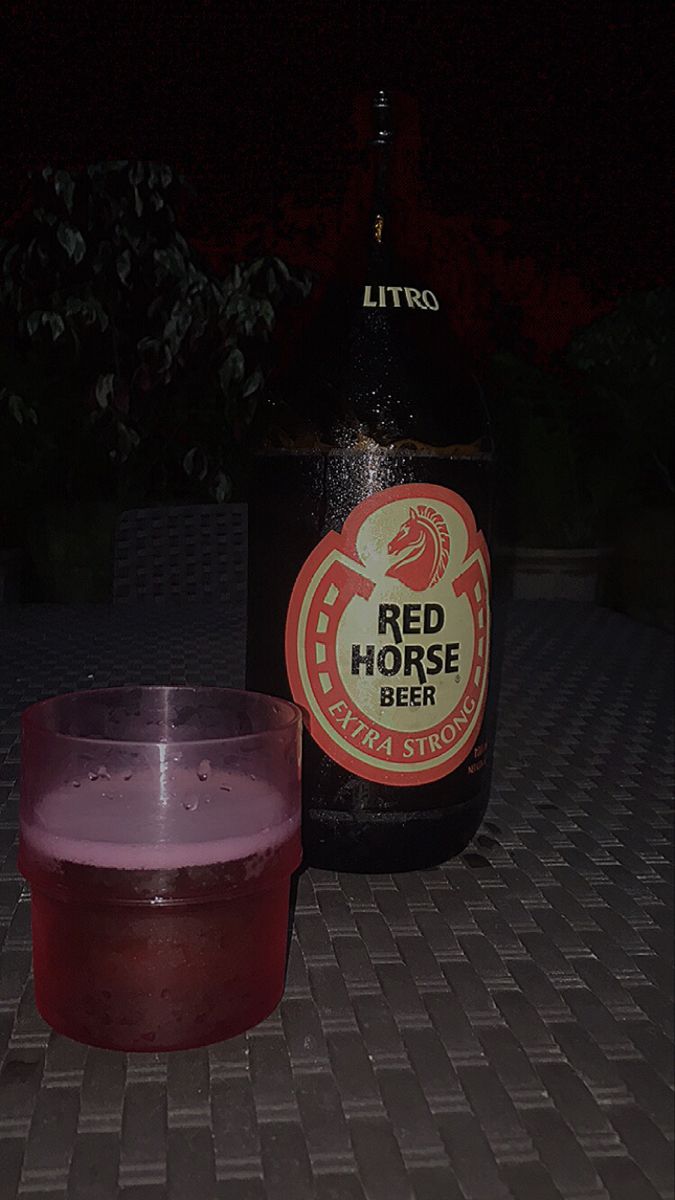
{"type": "Point", "coordinates": [424, 538]}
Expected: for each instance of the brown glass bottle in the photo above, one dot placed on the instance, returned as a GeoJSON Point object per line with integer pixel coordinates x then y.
{"type": "Point", "coordinates": [369, 516]}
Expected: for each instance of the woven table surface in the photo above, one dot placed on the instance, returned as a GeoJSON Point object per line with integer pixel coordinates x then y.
{"type": "Point", "coordinates": [497, 1028]}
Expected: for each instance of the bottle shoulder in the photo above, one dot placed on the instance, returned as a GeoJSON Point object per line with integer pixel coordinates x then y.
{"type": "Point", "coordinates": [379, 363]}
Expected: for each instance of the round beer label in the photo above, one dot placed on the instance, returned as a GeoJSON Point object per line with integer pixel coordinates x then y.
{"type": "Point", "coordinates": [387, 636]}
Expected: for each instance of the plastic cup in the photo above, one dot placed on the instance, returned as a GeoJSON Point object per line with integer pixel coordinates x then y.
{"type": "Point", "coordinates": [159, 831]}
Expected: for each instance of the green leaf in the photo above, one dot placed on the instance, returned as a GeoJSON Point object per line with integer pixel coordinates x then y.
{"type": "Point", "coordinates": [232, 370]}
{"type": "Point", "coordinates": [267, 314]}
{"type": "Point", "coordinates": [44, 217]}
{"type": "Point", "coordinates": [33, 322]}
{"type": "Point", "coordinates": [94, 313]}
{"type": "Point", "coordinates": [196, 463]}
{"type": "Point", "coordinates": [177, 326]}
{"type": "Point", "coordinates": [64, 186]}
{"type": "Point", "coordinates": [223, 487]}
{"type": "Point", "coordinates": [13, 250]}
{"type": "Point", "coordinates": [128, 440]}
{"type": "Point", "coordinates": [147, 347]}
{"type": "Point", "coordinates": [72, 241]}
{"type": "Point", "coordinates": [104, 390]}
{"type": "Point", "coordinates": [170, 262]}
{"type": "Point", "coordinates": [124, 267]}
{"type": "Point", "coordinates": [16, 406]}
{"type": "Point", "coordinates": [253, 383]}
{"type": "Point", "coordinates": [282, 269]}
{"type": "Point", "coordinates": [20, 410]}
{"type": "Point", "coordinates": [55, 322]}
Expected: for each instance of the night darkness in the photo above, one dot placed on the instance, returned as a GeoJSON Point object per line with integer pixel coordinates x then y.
{"type": "Point", "coordinates": [544, 126]}
{"type": "Point", "coordinates": [530, 170]}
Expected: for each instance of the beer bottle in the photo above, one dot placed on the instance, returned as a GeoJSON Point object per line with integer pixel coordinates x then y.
{"type": "Point", "coordinates": [369, 580]}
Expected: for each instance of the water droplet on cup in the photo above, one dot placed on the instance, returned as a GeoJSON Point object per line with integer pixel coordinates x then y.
{"type": "Point", "coordinates": [76, 783]}
{"type": "Point", "coordinates": [251, 776]}
{"type": "Point", "coordinates": [93, 775]}
{"type": "Point", "coordinates": [224, 788]}
{"type": "Point", "coordinates": [127, 775]}
{"type": "Point", "coordinates": [203, 770]}
{"type": "Point", "coordinates": [190, 805]}
{"type": "Point", "coordinates": [103, 773]}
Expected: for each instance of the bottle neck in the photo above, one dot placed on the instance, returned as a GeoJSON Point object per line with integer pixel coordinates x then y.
{"type": "Point", "coordinates": [380, 211]}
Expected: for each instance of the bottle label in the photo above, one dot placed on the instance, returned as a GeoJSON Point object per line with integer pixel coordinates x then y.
{"type": "Point", "coordinates": [388, 636]}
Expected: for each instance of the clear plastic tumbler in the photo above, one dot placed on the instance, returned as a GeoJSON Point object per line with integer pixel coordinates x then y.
{"type": "Point", "coordinates": [160, 828]}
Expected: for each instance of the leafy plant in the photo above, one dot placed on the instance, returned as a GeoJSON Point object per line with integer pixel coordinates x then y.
{"type": "Point", "coordinates": [544, 466]}
{"type": "Point", "coordinates": [627, 363]}
{"type": "Point", "coordinates": [592, 435]}
{"type": "Point", "coordinates": [127, 368]}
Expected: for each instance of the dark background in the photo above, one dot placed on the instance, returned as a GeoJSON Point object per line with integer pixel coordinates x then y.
{"type": "Point", "coordinates": [531, 174]}
{"type": "Point", "coordinates": [544, 128]}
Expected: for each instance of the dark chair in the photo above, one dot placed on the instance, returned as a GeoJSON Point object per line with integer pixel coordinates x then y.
{"type": "Point", "coordinates": [195, 552]}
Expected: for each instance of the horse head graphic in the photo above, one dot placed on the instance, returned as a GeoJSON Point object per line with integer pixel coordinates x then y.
{"type": "Point", "coordinates": [422, 546]}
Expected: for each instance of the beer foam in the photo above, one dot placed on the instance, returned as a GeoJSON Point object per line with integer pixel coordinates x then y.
{"type": "Point", "coordinates": [112, 823]}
